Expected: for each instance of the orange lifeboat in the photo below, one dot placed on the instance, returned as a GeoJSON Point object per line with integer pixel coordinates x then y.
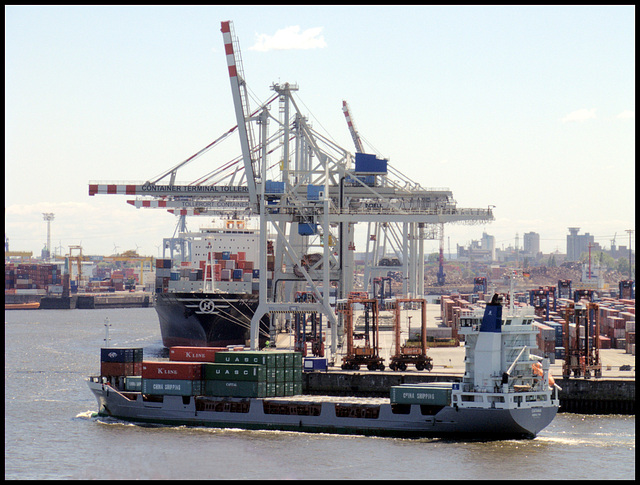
{"type": "Point", "coordinates": [537, 370]}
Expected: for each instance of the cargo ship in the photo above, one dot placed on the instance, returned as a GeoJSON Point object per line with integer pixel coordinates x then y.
{"type": "Point", "coordinates": [506, 392]}
{"type": "Point", "coordinates": [209, 301]}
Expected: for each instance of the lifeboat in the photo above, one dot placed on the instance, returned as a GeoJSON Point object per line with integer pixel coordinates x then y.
{"type": "Point", "coordinates": [537, 370]}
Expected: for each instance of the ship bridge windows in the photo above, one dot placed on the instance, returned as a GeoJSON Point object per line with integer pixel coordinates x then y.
{"type": "Point", "coordinates": [469, 323]}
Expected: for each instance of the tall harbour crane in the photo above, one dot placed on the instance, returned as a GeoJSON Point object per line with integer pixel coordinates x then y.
{"type": "Point", "coordinates": [308, 192]}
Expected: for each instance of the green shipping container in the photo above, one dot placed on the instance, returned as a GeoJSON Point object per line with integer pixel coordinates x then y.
{"type": "Point", "coordinates": [437, 396]}
{"type": "Point", "coordinates": [280, 389]}
{"type": "Point", "coordinates": [288, 388]}
{"type": "Point", "coordinates": [246, 357]}
{"type": "Point", "coordinates": [271, 375]}
{"type": "Point", "coordinates": [288, 375]}
{"type": "Point", "coordinates": [292, 359]}
{"type": "Point", "coordinates": [235, 388]}
{"type": "Point", "coordinates": [297, 374]}
{"type": "Point", "coordinates": [297, 388]}
{"type": "Point", "coordinates": [133, 383]}
{"type": "Point", "coordinates": [172, 387]}
{"type": "Point", "coordinates": [280, 376]}
{"type": "Point", "coordinates": [271, 389]}
{"type": "Point", "coordinates": [234, 372]}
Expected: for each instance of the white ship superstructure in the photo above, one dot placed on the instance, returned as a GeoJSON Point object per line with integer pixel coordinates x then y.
{"type": "Point", "coordinates": [500, 371]}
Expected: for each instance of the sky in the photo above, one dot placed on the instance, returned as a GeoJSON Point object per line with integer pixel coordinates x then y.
{"type": "Point", "coordinates": [528, 109]}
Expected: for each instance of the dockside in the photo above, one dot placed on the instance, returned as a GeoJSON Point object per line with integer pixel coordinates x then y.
{"type": "Point", "coordinates": [595, 396]}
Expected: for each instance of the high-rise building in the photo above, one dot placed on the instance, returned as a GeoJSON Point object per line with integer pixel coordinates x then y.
{"type": "Point", "coordinates": [488, 243]}
{"type": "Point", "coordinates": [531, 241]}
{"type": "Point", "coordinates": [578, 244]}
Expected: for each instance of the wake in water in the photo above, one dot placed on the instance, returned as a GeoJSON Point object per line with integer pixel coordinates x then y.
{"type": "Point", "coordinates": [86, 415]}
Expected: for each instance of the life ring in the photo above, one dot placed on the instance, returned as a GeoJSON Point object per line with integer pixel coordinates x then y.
{"type": "Point", "coordinates": [537, 370]}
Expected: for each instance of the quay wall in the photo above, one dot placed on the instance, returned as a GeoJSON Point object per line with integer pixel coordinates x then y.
{"type": "Point", "coordinates": [584, 396]}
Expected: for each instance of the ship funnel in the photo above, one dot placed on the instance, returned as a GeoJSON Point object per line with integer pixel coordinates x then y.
{"type": "Point", "coordinates": [492, 319]}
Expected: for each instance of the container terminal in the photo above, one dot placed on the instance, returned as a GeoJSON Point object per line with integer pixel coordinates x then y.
{"type": "Point", "coordinates": [309, 195]}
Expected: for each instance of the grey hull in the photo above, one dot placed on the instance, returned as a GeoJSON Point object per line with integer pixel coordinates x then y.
{"type": "Point", "coordinates": [446, 423]}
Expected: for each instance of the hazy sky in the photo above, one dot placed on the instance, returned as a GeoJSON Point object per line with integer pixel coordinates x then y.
{"type": "Point", "coordinates": [528, 109]}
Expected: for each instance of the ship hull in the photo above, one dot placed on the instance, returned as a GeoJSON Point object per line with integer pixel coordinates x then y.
{"type": "Point", "coordinates": [250, 413]}
{"type": "Point", "coordinates": [207, 319]}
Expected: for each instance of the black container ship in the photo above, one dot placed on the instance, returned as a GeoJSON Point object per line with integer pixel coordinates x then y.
{"type": "Point", "coordinates": [209, 301]}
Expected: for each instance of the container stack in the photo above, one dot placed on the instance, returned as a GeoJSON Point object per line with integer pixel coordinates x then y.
{"type": "Point", "coordinates": [546, 340]}
{"type": "Point", "coordinates": [282, 372]}
{"type": "Point", "coordinates": [31, 276]}
{"type": "Point", "coordinates": [163, 275]}
{"type": "Point", "coordinates": [225, 372]}
{"type": "Point", "coordinates": [172, 378]}
{"type": "Point", "coordinates": [117, 362]}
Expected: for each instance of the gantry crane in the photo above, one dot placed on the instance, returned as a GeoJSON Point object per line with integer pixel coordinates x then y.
{"type": "Point", "coordinates": [311, 197]}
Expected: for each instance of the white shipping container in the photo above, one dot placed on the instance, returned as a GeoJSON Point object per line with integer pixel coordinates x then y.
{"type": "Point", "coordinates": [630, 326]}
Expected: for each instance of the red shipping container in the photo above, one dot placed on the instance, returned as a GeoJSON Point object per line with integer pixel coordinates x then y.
{"type": "Point", "coordinates": [172, 370]}
{"type": "Point", "coordinates": [605, 342]}
{"type": "Point", "coordinates": [630, 337]}
{"type": "Point", "coordinates": [618, 322]}
{"type": "Point", "coordinates": [242, 255]}
{"type": "Point", "coordinates": [109, 369]}
{"type": "Point", "coordinates": [194, 354]}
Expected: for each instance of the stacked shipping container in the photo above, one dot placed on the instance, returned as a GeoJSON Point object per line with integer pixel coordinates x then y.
{"type": "Point", "coordinates": [118, 362]}
{"type": "Point", "coordinates": [220, 372]}
{"type": "Point", "coordinates": [616, 320]}
{"type": "Point", "coordinates": [31, 276]}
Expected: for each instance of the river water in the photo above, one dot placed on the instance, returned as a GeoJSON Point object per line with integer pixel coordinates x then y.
{"type": "Point", "coordinates": [50, 432]}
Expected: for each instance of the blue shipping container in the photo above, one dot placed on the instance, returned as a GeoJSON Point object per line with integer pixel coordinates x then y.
{"type": "Point", "coordinates": [237, 274]}
{"type": "Point", "coordinates": [112, 354]}
{"type": "Point", "coordinates": [315, 364]}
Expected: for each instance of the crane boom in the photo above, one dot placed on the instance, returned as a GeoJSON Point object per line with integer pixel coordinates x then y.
{"type": "Point", "coordinates": [352, 129]}
{"type": "Point", "coordinates": [241, 106]}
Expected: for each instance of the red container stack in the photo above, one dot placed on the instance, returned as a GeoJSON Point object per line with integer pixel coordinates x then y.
{"type": "Point", "coordinates": [194, 354]}
{"type": "Point", "coordinates": [172, 370]}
